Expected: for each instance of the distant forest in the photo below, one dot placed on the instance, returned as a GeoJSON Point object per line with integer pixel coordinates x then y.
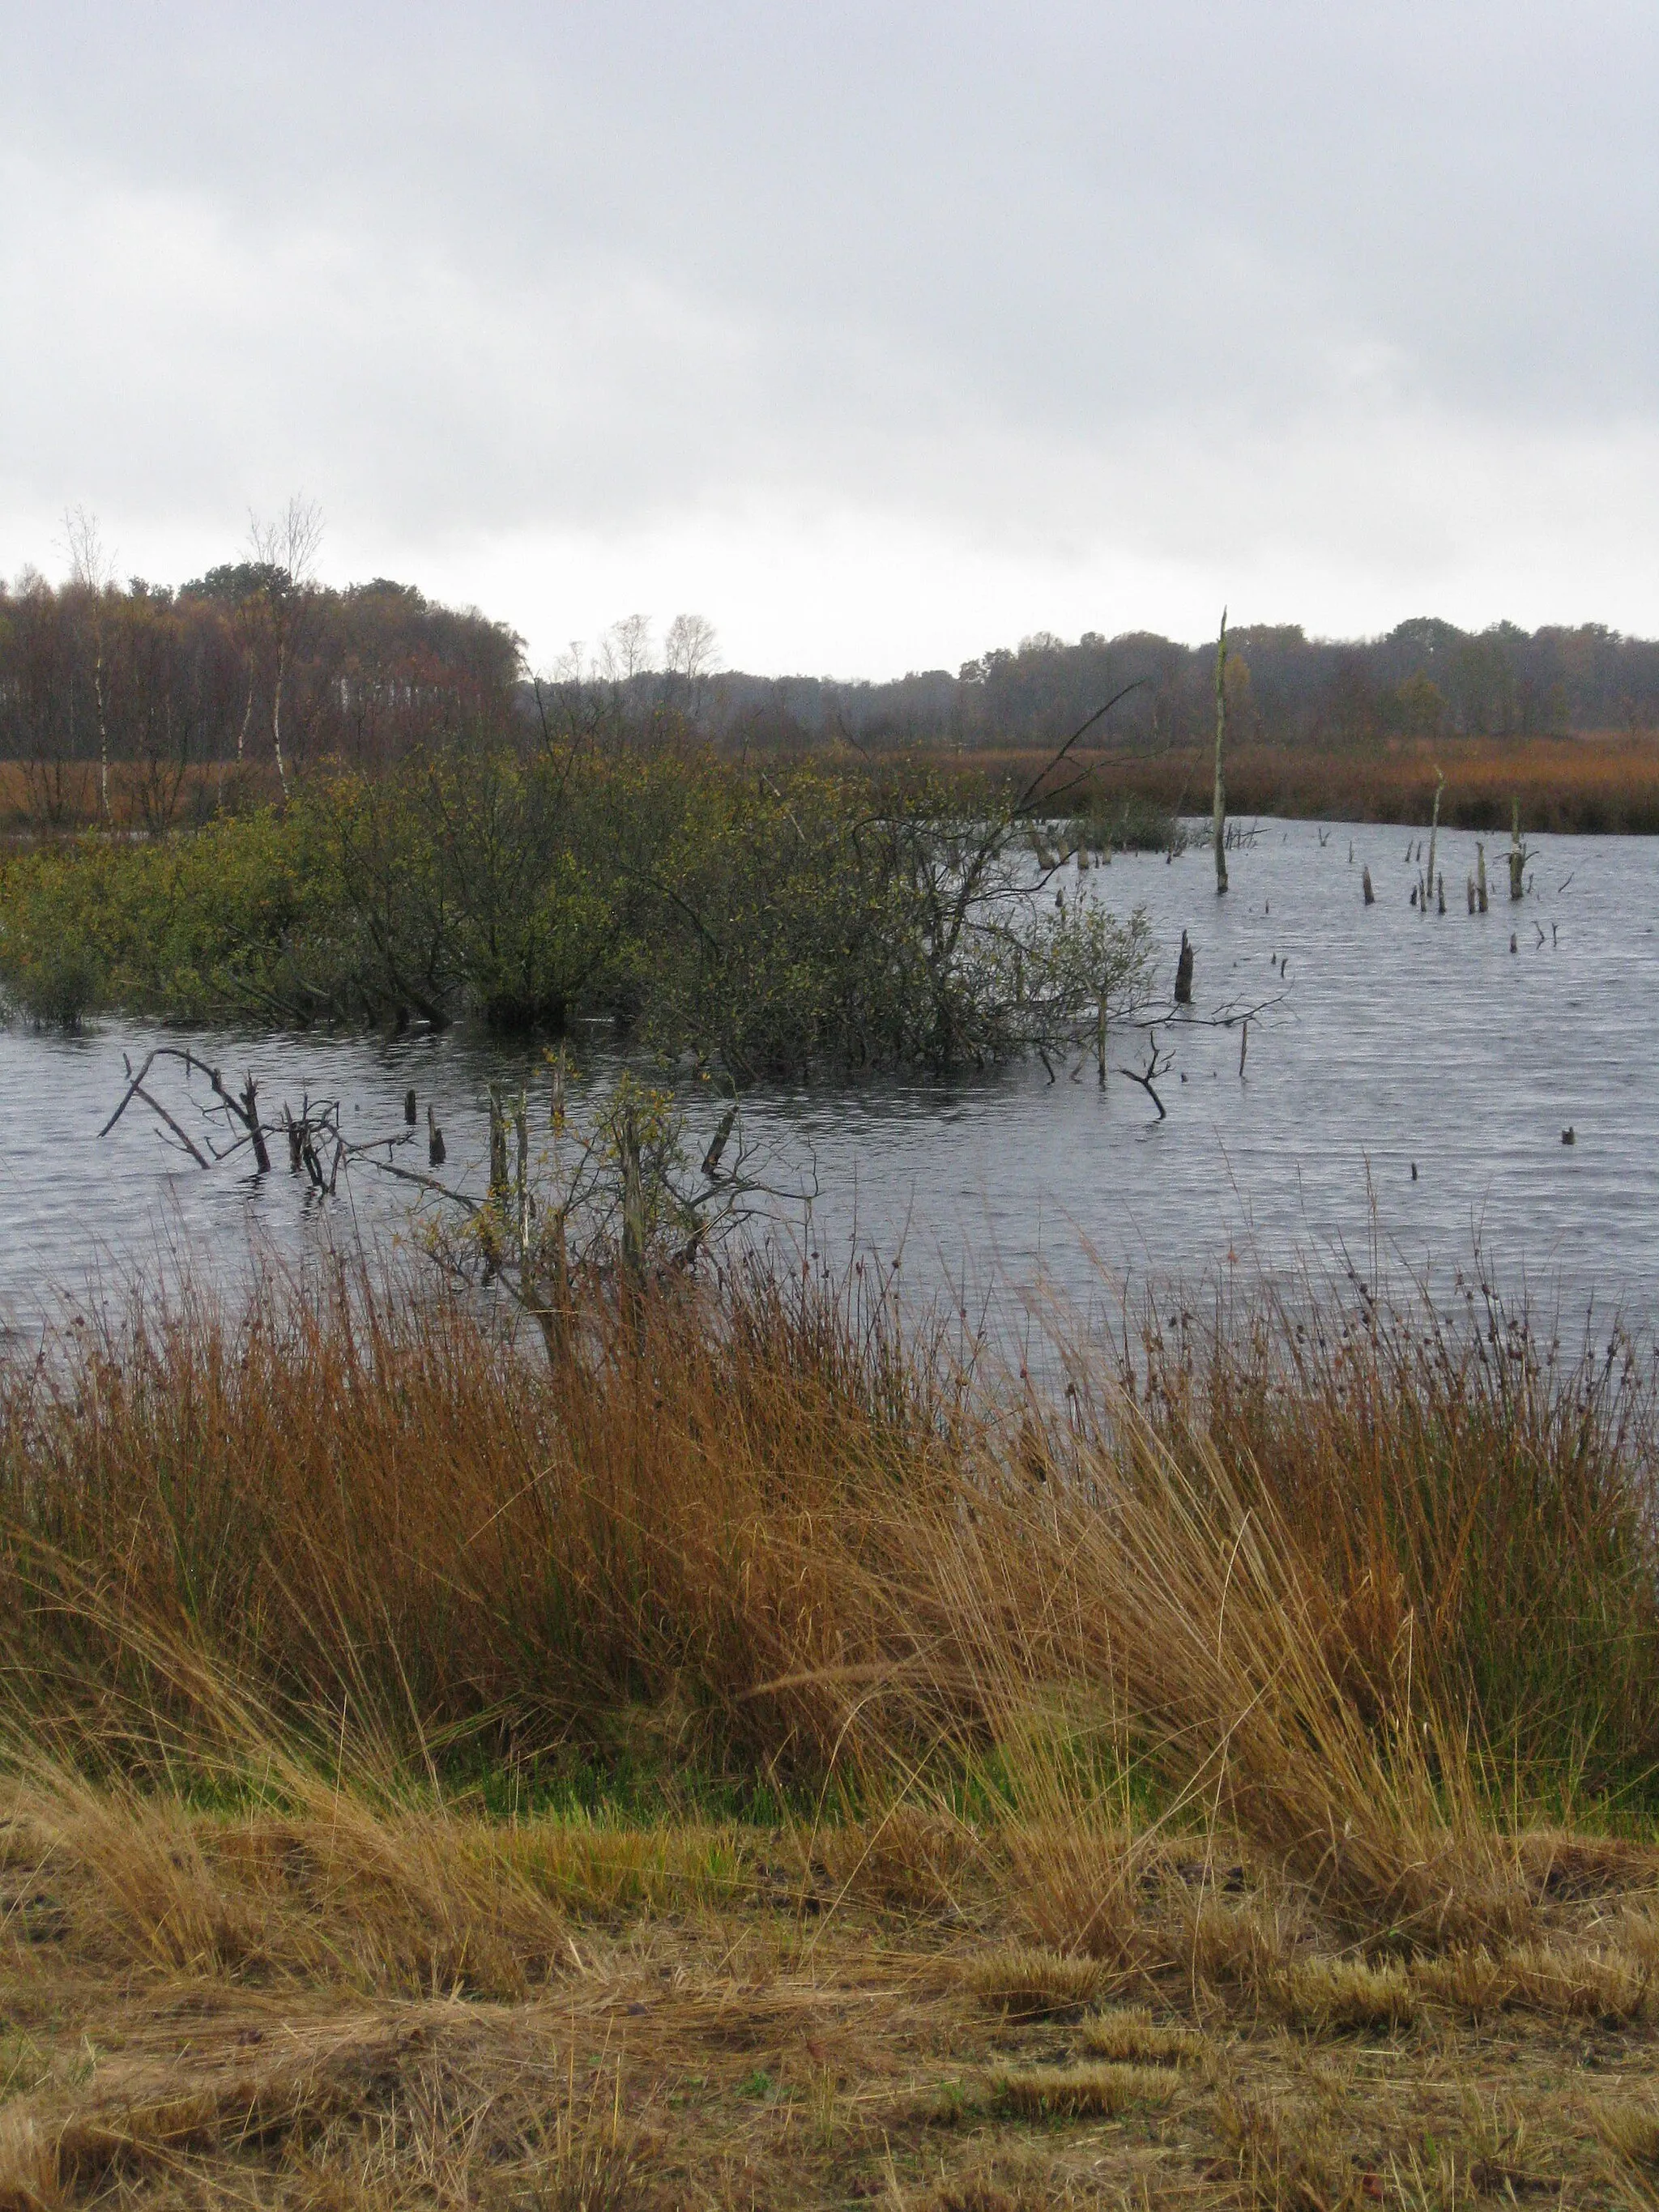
{"type": "Point", "coordinates": [157, 693]}
{"type": "Point", "coordinates": [1425, 679]}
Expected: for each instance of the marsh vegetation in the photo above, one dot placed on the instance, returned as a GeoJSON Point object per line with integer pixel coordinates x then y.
{"type": "Point", "coordinates": [769, 1753]}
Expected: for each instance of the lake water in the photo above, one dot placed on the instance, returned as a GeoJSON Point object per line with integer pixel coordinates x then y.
{"type": "Point", "coordinates": [1392, 1040]}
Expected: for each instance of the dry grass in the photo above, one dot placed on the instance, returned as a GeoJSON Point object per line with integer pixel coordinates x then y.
{"type": "Point", "coordinates": [1632, 2130]}
{"type": "Point", "coordinates": [732, 2051]}
{"type": "Point", "coordinates": [1291, 2161]}
{"type": "Point", "coordinates": [907, 1858]}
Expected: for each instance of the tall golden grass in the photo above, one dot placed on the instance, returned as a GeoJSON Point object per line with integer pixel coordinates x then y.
{"type": "Point", "coordinates": [1597, 783]}
{"type": "Point", "coordinates": [1362, 1590]}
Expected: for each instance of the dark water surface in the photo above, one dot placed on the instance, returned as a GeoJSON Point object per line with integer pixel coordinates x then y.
{"type": "Point", "coordinates": [1395, 1040]}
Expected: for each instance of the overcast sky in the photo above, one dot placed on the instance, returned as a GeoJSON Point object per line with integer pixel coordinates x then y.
{"type": "Point", "coordinates": [879, 334]}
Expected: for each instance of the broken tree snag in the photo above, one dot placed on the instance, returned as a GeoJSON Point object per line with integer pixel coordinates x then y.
{"type": "Point", "coordinates": [1158, 1064]}
{"type": "Point", "coordinates": [251, 1119]}
{"type": "Point", "coordinates": [1369, 894]}
{"type": "Point", "coordinates": [1183, 990]}
{"type": "Point", "coordinates": [1220, 740]}
{"type": "Point", "coordinates": [1442, 891]}
{"type": "Point", "coordinates": [435, 1139]}
{"type": "Point", "coordinates": [1517, 854]}
{"type": "Point", "coordinates": [1434, 832]}
{"type": "Point", "coordinates": [1480, 875]}
{"type": "Point", "coordinates": [1471, 894]}
{"type": "Point", "coordinates": [1243, 1045]}
{"type": "Point", "coordinates": [408, 1107]}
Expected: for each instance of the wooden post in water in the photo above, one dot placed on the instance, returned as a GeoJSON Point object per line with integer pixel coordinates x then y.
{"type": "Point", "coordinates": [1365, 885]}
{"type": "Point", "coordinates": [1183, 990]}
{"type": "Point", "coordinates": [1480, 875]}
{"type": "Point", "coordinates": [521, 1130]}
{"type": "Point", "coordinates": [435, 1138]}
{"type": "Point", "coordinates": [1220, 740]}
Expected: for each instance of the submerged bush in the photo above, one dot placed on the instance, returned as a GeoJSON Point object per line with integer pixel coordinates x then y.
{"type": "Point", "coordinates": [55, 987]}
{"type": "Point", "coordinates": [768, 923]}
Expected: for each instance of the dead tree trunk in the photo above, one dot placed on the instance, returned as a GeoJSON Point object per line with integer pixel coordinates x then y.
{"type": "Point", "coordinates": [1434, 832]}
{"type": "Point", "coordinates": [498, 1185]}
{"type": "Point", "coordinates": [1517, 855]}
{"type": "Point", "coordinates": [1369, 894]}
{"type": "Point", "coordinates": [1221, 824]}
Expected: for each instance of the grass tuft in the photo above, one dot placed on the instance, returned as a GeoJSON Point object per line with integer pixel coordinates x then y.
{"type": "Point", "coordinates": [1338, 1995]}
{"type": "Point", "coordinates": [1032, 1984]}
{"type": "Point", "coordinates": [1563, 1980]}
{"type": "Point", "coordinates": [1630, 2130]}
{"type": "Point", "coordinates": [1129, 2035]}
{"type": "Point", "coordinates": [1076, 2093]}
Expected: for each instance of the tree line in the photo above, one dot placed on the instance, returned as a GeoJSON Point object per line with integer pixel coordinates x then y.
{"type": "Point", "coordinates": [141, 705]}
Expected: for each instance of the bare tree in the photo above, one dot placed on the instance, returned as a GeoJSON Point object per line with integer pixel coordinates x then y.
{"type": "Point", "coordinates": [286, 548]}
{"type": "Point", "coordinates": [92, 573]}
{"type": "Point", "coordinates": [690, 649]}
{"type": "Point", "coordinates": [690, 655]}
{"type": "Point", "coordinates": [626, 652]}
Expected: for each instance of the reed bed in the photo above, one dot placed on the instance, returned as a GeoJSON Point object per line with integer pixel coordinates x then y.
{"type": "Point", "coordinates": [1597, 783]}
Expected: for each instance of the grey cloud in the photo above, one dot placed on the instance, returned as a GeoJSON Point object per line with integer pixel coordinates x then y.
{"type": "Point", "coordinates": [1063, 274]}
